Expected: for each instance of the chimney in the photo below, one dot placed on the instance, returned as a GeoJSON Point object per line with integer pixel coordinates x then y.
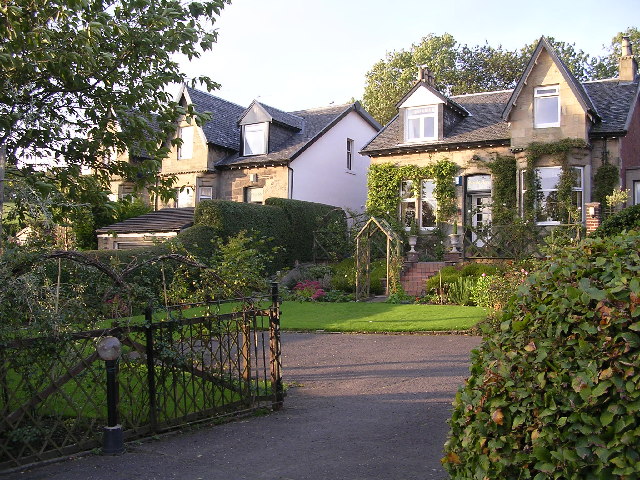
{"type": "Point", "coordinates": [628, 65]}
{"type": "Point", "coordinates": [426, 75]}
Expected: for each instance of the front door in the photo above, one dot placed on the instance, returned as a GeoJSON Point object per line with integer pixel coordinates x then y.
{"type": "Point", "coordinates": [480, 217]}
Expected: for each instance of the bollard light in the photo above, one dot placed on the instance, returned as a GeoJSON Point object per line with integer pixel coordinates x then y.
{"type": "Point", "coordinates": [109, 349]}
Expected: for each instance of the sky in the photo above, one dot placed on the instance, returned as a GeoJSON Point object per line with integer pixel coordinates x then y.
{"type": "Point", "coordinates": [297, 54]}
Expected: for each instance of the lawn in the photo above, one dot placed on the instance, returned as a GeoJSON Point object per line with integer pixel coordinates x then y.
{"type": "Point", "coordinates": [377, 317]}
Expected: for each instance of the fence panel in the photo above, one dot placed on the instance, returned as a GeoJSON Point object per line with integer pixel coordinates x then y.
{"type": "Point", "coordinates": [178, 366]}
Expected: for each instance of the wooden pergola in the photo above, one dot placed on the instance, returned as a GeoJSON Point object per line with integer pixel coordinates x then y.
{"type": "Point", "coordinates": [363, 257]}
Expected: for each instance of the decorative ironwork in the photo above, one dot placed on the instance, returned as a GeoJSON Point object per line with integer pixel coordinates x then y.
{"type": "Point", "coordinates": [515, 241]}
{"type": "Point", "coordinates": [178, 366]}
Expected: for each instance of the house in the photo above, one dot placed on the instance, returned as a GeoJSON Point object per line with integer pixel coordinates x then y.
{"type": "Point", "coordinates": [547, 106]}
{"type": "Point", "coordinates": [250, 154]}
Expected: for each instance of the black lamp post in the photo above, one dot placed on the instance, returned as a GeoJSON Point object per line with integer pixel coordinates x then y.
{"type": "Point", "coordinates": [109, 351]}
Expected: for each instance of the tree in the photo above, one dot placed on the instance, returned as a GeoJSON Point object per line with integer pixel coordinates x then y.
{"type": "Point", "coordinates": [84, 79]}
{"type": "Point", "coordinates": [460, 69]}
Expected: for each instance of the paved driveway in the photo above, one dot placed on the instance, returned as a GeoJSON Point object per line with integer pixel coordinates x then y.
{"type": "Point", "coordinates": [360, 407]}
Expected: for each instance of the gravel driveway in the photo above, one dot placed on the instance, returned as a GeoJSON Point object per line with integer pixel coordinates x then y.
{"type": "Point", "coordinates": [358, 407]}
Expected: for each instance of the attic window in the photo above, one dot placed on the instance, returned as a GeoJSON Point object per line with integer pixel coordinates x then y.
{"type": "Point", "coordinates": [546, 106]}
{"type": "Point", "coordinates": [421, 124]}
{"type": "Point", "coordinates": [255, 138]}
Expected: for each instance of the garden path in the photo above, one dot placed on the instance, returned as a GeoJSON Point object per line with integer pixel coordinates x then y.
{"type": "Point", "coordinates": [359, 407]}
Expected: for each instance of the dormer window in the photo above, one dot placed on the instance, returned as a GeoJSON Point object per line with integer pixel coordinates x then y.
{"type": "Point", "coordinates": [255, 138]}
{"type": "Point", "coordinates": [546, 106]}
{"type": "Point", "coordinates": [421, 124]}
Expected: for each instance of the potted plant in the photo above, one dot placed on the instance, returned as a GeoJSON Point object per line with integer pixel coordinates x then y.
{"type": "Point", "coordinates": [413, 235]}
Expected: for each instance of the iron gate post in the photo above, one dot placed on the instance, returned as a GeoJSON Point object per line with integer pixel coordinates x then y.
{"type": "Point", "coordinates": [275, 349]}
{"type": "Point", "coordinates": [113, 442]}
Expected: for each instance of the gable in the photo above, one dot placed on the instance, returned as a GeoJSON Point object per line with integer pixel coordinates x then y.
{"type": "Point", "coordinates": [255, 114]}
{"type": "Point", "coordinates": [546, 66]}
{"type": "Point", "coordinates": [420, 97]}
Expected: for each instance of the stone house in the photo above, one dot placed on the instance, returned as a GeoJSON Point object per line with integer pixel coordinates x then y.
{"type": "Point", "coordinates": [547, 105]}
{"type": "Point", "coordinates": [250, 154]}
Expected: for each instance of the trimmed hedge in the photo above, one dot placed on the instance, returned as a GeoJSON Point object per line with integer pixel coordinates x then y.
{"type": "Point", "coordinates": [304, 219]}
{"type": "Point", "coordinates": [290, 223]}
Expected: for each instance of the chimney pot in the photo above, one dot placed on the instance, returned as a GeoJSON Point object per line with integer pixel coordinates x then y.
{"type": "Point", "coordinates": [425, 75]}
{"type": "Point", "coordinates": [628, 64]}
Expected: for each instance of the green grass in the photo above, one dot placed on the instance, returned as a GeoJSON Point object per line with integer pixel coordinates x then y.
{"type": "Point", "coordinates": [378, 317]}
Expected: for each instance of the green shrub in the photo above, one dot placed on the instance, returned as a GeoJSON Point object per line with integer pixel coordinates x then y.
{"type": "Point", "coordinates": [460, 291]}
{"type": "Point", "coordinates": [556, 393]}
{"type": "Point", "coordinates": [477, 269]}
{"type": "Point", "coordinates": [344, 276]}
{"type": "Point", "coordinates": [304, 219]}
{"type": "Point", "coordinates": [444, 277]}
{"type": "Point", "coordinates": [626, 219]}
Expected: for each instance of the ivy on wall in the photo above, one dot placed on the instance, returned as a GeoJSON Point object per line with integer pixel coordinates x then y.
{"type": "Point", "coordinates": [385, 180]}
{"type": "Point", "coordinates": [567, 211]}
{"type": "Point", "coordinates": [504, 192]}
{"type": "Point", "coordinates": [605, 181]}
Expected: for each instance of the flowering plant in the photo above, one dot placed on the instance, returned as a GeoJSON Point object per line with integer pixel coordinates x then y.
{"type": "Point", "coordinates": [308, 290]}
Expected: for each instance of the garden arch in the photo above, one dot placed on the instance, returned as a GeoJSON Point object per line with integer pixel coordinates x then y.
{"type": "Point", "coordinates": [373, 227]}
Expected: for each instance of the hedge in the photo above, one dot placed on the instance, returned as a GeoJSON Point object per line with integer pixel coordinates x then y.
{"type": "Point", "coordinates": [304, 219]}
{"type": "Point", "coordinates": [626, 219]}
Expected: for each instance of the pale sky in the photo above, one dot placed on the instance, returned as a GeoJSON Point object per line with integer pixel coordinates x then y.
{"type": "Point", "coordinates": [296, 54]}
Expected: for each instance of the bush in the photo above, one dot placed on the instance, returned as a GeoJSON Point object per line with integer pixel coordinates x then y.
{"type": "Point", "coordinates": [444, 277]}
{"type": "Point", "coordinates": [344, 276]}
{"type": "Point", "coordinates": [304, 219]}
{"type": "Point", "coordinates": [556, 393]}
{"type": "Point", "coordinates": [627, 219]}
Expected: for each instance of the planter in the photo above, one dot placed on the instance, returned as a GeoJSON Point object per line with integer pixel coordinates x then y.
{"type": "Point", "coordinates": [454, 241]}
{"type": "Point", "coordinates": [413, 239]}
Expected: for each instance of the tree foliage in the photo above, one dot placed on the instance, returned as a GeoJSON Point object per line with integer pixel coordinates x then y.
{"type": "Point", "coordinates": [85, 79]}
{"type": "Point", "coordinates": [460, 69]}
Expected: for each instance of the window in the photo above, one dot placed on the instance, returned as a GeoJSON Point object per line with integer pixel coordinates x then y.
{"type": "Point", "coordinates": [421, 124]}
{"type": "Point", "coordinates": [186, 149]}
{"type": "Point", "coordinates": [547, 205]}
{"type": "Point", "coordinates": [205, 193]}
{"type": "Point", "coordinates": [546, 106]}
{"type": "Point", "coordinates": [253, 195]}
{"type": "Point", "coordinates": [349, 153]}
{"type": "Point", "coordinates": [255, 138]}
{"type": "Point", "coordinates": [423, 210]}
{"type": "Point", "coordinates": [636, 192]}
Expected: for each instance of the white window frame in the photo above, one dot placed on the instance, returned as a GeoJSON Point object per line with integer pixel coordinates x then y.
{"type": "Point", "coordinates": [247, 195]}
{"type": "Point", "coordinates": [407, 200]}
{"type": "Point", "coordinates": [540, 95]}
{"type": "Point", "coordinates": [420, 114]}
{"type": "Point", "coordinates": [185, 150]}
{"type": "Point", "coordinates": [205, 196]}
{"type": "Point", "coordinates": [255, 132]}
{"type": "Point", "coordinates": [547, 191]}
{"type": "Point", "coordinates": [636, 192]}
{"type": "Point", "coordinates": [349, 154]}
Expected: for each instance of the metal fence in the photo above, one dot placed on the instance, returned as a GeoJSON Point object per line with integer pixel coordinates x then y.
{"type": "Point", "coordinates": [177, 366]}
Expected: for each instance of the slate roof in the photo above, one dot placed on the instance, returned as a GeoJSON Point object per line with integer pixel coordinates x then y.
{"type": "Point", "coordinates": [223, 128]}
{"type": "Point", "coordinates": [484, 124]}
{"type": "Point", "coordinates": [164, 220]}
{"type": "Point", "coordinates": [315, 123]}
{"type": "Point", "coordinates": [612, 99]}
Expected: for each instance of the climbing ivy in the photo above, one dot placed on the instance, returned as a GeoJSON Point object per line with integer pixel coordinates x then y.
{"type": "Point", "coordinates": [503, 189]}
{"type": "Point", "coordinates": [605, 181]}
{"type": "Point", "coordinates": [385, 180]}
{"type": "Point", "coordinates": [560, 150]}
